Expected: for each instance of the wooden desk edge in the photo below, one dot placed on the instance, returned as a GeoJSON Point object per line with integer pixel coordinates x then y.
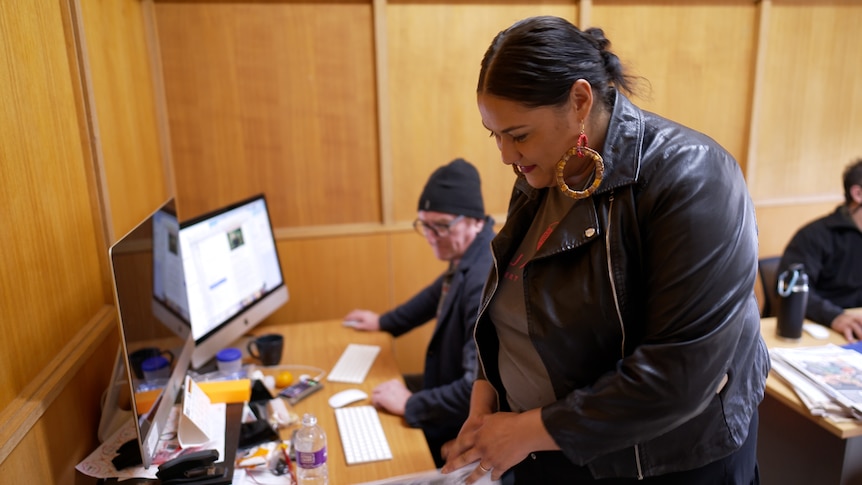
{"type": "Point", "coordinates": [319, 344]}
{"type": "Point", "coordinates": [781, 391]}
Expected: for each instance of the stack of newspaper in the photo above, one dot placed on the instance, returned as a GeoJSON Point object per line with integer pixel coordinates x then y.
{"type": "Point", "coordinates": [827, 379]}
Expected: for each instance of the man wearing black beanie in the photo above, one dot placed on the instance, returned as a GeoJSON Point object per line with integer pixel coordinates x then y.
{"type": "Point", "coordinates": [451, 217]}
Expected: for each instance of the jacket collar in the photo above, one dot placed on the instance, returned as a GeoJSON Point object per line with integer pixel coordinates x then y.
{"type": "Point", "coordinates": [478, 247]}
{"type": "Point", "coordinates": [841, 218]}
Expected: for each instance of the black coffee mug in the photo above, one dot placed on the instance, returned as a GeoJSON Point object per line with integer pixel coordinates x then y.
{"type": "Point", "coordinates": [137, 358]}
{"type": "Point", "coordinates": [267, 348]}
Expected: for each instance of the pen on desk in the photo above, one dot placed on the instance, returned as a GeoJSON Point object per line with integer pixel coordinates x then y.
{"type": "Point", "coordinates": [289, 463]}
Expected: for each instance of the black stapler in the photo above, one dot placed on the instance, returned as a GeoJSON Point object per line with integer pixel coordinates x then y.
{"type": "Point", "coordinates": [199, 468]}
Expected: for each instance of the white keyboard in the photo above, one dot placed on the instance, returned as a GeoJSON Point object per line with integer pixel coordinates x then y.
{"type": "Point", "coordinates": [354, 364]}
{"type": "Point", "coordinates": [362, 434]}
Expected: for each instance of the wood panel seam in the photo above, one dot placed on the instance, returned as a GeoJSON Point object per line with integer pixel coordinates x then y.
{"type": "Point", "coordinates": [751, 162]}
{"type": "Point", "coordinates": [384, 126]}
{"type": "Point", "coordinates": [89, 106]}
{"type": "Point", "coordinates": [361, 229]}
{"type": "Point", "coordinates": [94, 174]}
{"type": "Point", "coordinates": [797, 200]}
{"type": "Point", "coordinates": [19, 417]}
{"type": "Point", "coordinates": [158, 79]}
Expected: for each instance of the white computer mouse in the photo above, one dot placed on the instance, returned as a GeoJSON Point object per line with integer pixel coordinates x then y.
{"type": "Point", "coordinates": [346, 397]}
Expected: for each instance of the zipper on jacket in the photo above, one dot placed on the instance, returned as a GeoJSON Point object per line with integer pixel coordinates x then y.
{"type": "Point", "coordinates": [482, 310]}
{"type": "Point", "coordinates": [619, 313]}
{"type": "Point", "coordinates": [611, 278]}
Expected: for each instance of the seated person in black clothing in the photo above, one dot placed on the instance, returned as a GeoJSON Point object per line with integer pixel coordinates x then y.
{"type": "Point", "coordinates": [830, 248]}
{"type": "Point", "coordinates": [452, 219]}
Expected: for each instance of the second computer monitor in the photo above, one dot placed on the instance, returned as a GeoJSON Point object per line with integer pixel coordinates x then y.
{"type": "Point", "coordinates": [232, 274]}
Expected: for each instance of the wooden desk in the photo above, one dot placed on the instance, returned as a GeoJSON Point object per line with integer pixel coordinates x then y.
{"type": "Point", "coordinates": [795, 447]}
{"type": "Point", "coordinates": [319, 344]}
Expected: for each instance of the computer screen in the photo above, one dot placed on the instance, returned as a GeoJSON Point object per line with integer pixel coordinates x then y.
{"type": "Point", "coordinates": [154, 357]}
{"type": "Point", "coordinates": [232, 274]}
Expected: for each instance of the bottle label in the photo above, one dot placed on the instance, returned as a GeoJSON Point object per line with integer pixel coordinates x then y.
{"type": "Point", "coordinates": [311, 459]}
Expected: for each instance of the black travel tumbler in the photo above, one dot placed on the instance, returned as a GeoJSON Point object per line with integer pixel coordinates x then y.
{"type": "Point", "coordinates": [792, 300]}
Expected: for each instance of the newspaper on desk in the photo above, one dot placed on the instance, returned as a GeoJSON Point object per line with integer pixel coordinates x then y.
{"type": "Point", "coordinates": [827, 379]}
{"type": "Point", "coordinates": [435, 477]}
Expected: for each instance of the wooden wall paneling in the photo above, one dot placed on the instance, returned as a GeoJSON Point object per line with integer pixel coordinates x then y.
{"type": "Point", "coordinates": [29, 458]}
{"type": "Point", "coordinates": [54, 283]}
{"type": "Point", "coordinates": [585, 13]}
{"type": "Point", "coordinates": [82, 94]}
{"type": "Point", "coordinates": [776, 224]}
{"type": "Point", "coordinates": [327, 277]}
{"type": "Point", "coordinates": [65, 434]}
{"type": "Point", "coordinates": [51, 282]}
{"type": "Point", "coordinates": [697, 59]}
{"type": "Point", "coordinates": [414, 267]}
{"type": "Point", "coordinates": [434, 55]}
{"type": "Point", "coordinates": [70, 384]}
{"type": "Point", "coordinates": [810, 122]}
{"type": "Point", "coordinates": [273, 97]}
{"type": "Point", "coordinates": [125, 129]}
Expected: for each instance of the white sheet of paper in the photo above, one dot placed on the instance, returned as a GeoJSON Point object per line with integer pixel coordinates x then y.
{"type": "Point", "coordinates": [201, 422]}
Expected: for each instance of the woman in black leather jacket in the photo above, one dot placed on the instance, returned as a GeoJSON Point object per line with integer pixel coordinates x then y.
{"type": "Point", "coordinates": [618, 334]}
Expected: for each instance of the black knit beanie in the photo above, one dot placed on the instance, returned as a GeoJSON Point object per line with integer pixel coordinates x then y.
{"type": "Point", "coordinates": [454, 189]}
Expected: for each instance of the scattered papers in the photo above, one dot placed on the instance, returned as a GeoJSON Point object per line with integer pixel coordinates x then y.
{"type": "Point", "coordinates": [827, 378]}
{"type": "Point", "coordinates": [98, 464]}
{"type": "Point", "coordinates": [197, 422]}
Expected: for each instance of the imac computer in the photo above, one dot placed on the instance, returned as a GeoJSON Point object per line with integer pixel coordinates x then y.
{"type": "Point", "coordinates": [183, 292]}
{"type": "Point", "coordinates": [153, 359]}
{"type": "Point", "coordinates": [232, 275]}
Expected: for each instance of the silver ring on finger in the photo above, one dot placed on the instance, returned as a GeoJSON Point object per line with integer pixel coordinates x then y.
{"type": "Point", "coordinates": [486, 470]}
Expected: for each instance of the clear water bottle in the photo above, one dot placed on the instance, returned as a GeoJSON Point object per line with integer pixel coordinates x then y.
{"type": "Point", "coordinates": [310, 444]}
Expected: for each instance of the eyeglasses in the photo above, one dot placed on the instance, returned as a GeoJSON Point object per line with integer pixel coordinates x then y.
{"type": "Point", "coordinates": [438, 229]}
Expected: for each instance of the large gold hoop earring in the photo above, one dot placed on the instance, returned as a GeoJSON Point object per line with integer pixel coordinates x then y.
{"type": "Point", "coordinates": [581, 150]}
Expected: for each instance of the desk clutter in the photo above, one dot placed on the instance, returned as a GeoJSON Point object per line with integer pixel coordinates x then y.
{"type": "Point", "coordinates": [267, 394]}
{"type": "Point", "coordinates": [827, 378]}
{"type": "Point", "coordinates": [178, 333]}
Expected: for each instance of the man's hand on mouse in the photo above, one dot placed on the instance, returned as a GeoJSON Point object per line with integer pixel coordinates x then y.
{"type": "Point", "coordinates": [363, 320]}
{"type": "Point", "coordinates": [391, 396]}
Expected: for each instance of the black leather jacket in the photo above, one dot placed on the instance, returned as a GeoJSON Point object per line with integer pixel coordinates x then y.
{"type": "Point", "coordinates": [641, 304]}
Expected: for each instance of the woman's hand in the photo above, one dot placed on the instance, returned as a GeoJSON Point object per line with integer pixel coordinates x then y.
{"type": "Point", "coordinates": [462, 443]}
{"type": "Point", "coordinates": [497, 441]}
{"type": "Point", "coordinates": [483, 402]}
